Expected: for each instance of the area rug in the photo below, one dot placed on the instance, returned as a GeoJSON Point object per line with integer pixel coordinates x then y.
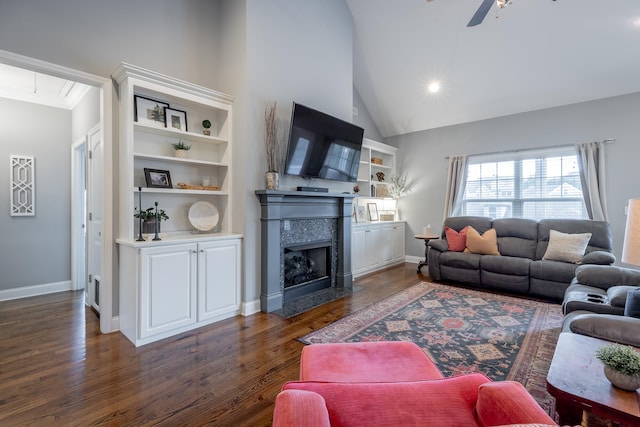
{"type": "Point", "coordinates": [463, 331]}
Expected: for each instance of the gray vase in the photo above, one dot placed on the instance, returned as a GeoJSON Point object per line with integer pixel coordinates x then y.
{"type": "Point", "coordinates": [149, 227]}
{"type": "Point", "coordinates": [620, 380]}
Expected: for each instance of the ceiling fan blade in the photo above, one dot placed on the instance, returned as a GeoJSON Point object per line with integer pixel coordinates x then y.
{"type": "Point", "coordinates": [482, 11]}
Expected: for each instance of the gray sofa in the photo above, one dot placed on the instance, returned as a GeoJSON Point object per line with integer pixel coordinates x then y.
{"type": "Point", "coordinates": [522, 244]}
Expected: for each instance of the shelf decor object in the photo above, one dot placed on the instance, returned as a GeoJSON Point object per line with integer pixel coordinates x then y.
{"type": "Point", "coordinates": [22, 185]}
{"type": "Point", "coordinates": [148, 111]}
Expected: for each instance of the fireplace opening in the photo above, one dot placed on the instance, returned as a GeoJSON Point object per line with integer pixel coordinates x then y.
{"type": "Point", "coordinates": [307, 268]}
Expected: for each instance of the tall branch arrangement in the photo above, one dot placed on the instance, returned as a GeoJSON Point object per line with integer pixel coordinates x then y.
{"type": "Point", "coordinates": [270, 138]}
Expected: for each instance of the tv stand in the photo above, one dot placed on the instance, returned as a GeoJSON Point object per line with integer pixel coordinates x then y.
{"type": "Point", "coordinates": [314, 189]}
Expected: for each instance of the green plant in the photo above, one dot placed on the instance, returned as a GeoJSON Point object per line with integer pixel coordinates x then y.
{"type": "Point", "coordinates": [180, 146]}
{"type": "Point", "coordinates": [206, 124]}
{"type": "Point", "coordinates": [621, 358]}
{"type": "Point", "coordinates": [150, 215]}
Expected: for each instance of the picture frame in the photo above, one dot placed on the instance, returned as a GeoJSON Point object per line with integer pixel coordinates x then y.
{"type": "Point", "coordinates": [157, 178]}
{"type": "Point", "coordinates": [373, 212]}
{"type": "Point", "coordinates": [361, 215]}
{"type": "Point", "coordinates": [175, 119]}
{"type": "Point", "coordinates": [149, 111]}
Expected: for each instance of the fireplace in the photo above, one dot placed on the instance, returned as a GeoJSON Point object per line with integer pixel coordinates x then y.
{"type": "Point", "coordinates": [306, 244]}
{"type": "Point", "coordinates": [306, 268]}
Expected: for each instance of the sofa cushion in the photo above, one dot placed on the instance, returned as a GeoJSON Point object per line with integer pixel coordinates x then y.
{"type": "Point", "coordinates": [566, 247]}
{"type": "Point", "coordinates": [610, 327]}
{"type": "Point", "coordinates": [485, 244]}
{"type": "Point", "coordinates": [617, 295]}
{"type": "Point", "coordinates": [410, 403]}
{"type": "Point", "coordinates": [632, 305]}
{"type": "Point", "coordinates": [600, 233]}
{"type": "Point", "coordinates": [599, 257]}
{"type": "Point", "coordinates": [509, 265]}
{"type": "Point", "coordinates": [507, 400]}
{"type": "Point", "coordinates": [457, 241]}
{"type": "Point", "coordinates": [606, 276]}
{"type": "Point", "coordinates": [517, 237]}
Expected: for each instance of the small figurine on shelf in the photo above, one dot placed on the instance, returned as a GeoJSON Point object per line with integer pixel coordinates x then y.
{"type": "Point", "coordinates": [206, 124]}
{"type": "Point", "coordinates": [182, 149]}
{"type": "Point", "coordinates": [380, 176]}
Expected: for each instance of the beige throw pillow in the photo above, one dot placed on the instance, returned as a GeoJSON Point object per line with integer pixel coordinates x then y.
{"type": "Point", "coordinates": [566, 247]}
{"type": "Point", "coordinates": [487, 244]}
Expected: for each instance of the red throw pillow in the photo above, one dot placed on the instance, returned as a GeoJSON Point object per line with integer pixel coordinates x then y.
{"type": "Point", "coordinates": [457, 241]}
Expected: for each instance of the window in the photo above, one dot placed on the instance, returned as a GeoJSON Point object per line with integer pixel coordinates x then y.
{"type": "Point", "coordinates": [533, 184]}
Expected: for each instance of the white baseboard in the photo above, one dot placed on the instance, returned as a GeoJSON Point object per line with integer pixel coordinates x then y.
{"type": "Point", "coordinates": [413, 259]}
{"type": "Point", "coordinates": [35, 290]}
{"type": "Point", "coordinates": [251, 307]}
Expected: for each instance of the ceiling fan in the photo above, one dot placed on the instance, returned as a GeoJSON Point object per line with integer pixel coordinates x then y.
{"type": "Point", "coordinates": [482, 11]}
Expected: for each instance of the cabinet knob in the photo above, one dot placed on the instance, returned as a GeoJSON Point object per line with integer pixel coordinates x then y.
{"type": "Point", "coordinates": [193, 251]}
{"type": "Point", "coordinates": [201, 250]}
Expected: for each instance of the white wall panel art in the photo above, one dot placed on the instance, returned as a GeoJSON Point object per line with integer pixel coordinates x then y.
{"type": "Point", "coordinates": [22, 179]}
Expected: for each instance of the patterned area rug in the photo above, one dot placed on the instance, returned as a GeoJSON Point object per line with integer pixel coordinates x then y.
{"type": "Point", "coordinates": [463, 331]}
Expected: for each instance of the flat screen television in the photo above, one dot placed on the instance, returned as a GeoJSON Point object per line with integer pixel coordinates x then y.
{"type": "Point", "coordinates": [322, 146]}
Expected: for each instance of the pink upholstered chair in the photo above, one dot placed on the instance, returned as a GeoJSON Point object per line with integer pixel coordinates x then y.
{"type": "Point", "coordinates": [395, 384]}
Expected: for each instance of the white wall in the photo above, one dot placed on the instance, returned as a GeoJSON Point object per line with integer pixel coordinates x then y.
{"type": "Point", "coordinates": [36, 250]}
{"type": "Point", "coordinates": [364, 120]}
{"type": "Point", "coordinates": [86, 114]}
{"type": "Point", "coordinates": [422, 155]}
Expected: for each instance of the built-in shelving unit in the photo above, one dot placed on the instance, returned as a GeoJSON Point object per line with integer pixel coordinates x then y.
{"type": "Point", "coordinates": [376, 157]}
{"type": "Point", "coordinates": [189, 277]}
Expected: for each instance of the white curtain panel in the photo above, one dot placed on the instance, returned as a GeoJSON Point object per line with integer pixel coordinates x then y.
{"type": "Point", "coordinates": [591, 162]}
{"type": "Point", "coordinates": [456, 179]}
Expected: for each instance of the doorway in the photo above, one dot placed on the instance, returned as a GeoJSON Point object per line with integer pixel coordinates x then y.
{"type": "Point", "coordinates": [100, 256]}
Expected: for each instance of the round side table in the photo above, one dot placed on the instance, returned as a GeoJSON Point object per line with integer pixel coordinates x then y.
{"type": "Point", "coordinates": [426, 248]}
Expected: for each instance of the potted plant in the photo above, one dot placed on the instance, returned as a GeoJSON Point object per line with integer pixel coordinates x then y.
{"type": "Point", "coordinates": [206, 124]}
{"type": "Point", "coordinates": [182, 149]}
{"type": "Point", "coordinates": [148, 218]}
{"type": "Point", "coordinates": [621, 365]}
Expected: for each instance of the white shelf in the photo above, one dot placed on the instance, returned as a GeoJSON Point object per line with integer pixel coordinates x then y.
{"type": "Point", "coordinates": [178, 134]}
{"type": "Point", "coordinates": [179, 191]}
{"type": "Point", "coordinates": [177, 159]}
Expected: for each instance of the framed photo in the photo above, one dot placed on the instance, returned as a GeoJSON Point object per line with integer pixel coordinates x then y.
{"type": "Point", "coordinates": [360, 214]}
{"type": "Point", "coordinates": [157, 178]}
{"type": "Point", "coordinates": [149, 111]}
{"type": "Point", "coordinates": [373, 211]}
{"type": "Point", "coordinates": [175, 119]}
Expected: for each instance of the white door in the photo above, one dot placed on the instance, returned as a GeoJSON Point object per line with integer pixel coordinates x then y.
{"type": "Point", "coordinates": [218, 279]}
{"type": "Point", "coordinates": [95, 190]}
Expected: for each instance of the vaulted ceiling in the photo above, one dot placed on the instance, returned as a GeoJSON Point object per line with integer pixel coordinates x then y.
{"type": "Point", "coordinates": [536, 54]}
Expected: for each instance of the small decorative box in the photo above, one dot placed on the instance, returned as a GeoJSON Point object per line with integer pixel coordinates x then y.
{"type": "Point", "coordinates": [376, 160]}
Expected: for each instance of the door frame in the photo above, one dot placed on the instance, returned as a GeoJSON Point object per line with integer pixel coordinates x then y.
{"type": "Point", "coordinates": [107, 321]}
{"type": "Point", "coordinates": [78, 216]}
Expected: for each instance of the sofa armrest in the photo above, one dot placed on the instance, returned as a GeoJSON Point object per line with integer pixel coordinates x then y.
{"type": "Point", "coordinates": [508, 402]}
{"type": "Point", "coordinates": [300, 408]}
{"type": "Point", "coordinates": [440, 245]}
{"type": "Point", "coordinates": [599, 257]}
{"type": "Point", "coordinates": [610, 327]}
{"type": "Point", "coordinates": [606, 276]}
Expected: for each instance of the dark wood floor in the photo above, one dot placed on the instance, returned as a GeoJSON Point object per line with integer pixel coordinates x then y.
{"type": "Point", "coordinates": [57, 369]}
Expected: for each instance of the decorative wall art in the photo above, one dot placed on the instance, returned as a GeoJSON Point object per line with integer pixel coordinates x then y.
{"type": "Point", "coordinates": [22, 181]}
{"type": "Point", "coordinates": [373, 212]}
{"type": "Point", "coordinates": [360, 214]}
{"type": "Point", "coordinates": [149, 111]}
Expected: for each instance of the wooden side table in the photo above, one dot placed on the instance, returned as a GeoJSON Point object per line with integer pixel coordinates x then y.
{"type": "Point", "coordinates": [426, 249]}
{"type": "Point", "coordinates": [576, 379]}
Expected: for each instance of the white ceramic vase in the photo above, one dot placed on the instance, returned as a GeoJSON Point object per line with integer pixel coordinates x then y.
{"type": "Point", "coordinates": [182, 154]}
{"type": "Point", "coordinates": [273, 180]}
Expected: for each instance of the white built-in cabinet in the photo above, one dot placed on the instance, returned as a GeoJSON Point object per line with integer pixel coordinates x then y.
{"type": "Point", "coordinates": [189, 277]}
{"type": "Point", "coordinates": [376, 245]}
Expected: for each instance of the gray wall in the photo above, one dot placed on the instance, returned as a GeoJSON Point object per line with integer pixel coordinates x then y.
{"type": "Point", "coordinates": [364, 120]}
{"type": "Point", "coordinates": [33, 246]}
{"type": "Point", "coordinates": [86, 114]}
{"type": "Point", "coordinates": [422, 155]}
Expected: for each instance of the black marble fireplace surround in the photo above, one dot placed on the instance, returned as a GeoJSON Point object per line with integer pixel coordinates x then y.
{"type": "Point", "coordinates": [298, 220]}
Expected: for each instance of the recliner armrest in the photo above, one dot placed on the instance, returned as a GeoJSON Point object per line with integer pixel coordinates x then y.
{"type": "Point", "coordinates": [599, 257]}
{"type": "Point", "coordinates": [440, 245]}
{"type": "Point", "coordinates": [610, 327]}
{"type": "Point", "coordinates": [508, 402]}
{"type": "Point", "coordinates": [606, 276]}
{"type": "Point", "coordinates": [300, 408]}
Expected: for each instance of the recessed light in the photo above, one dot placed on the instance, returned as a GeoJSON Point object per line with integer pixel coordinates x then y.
{"type": "Point", "coordinates": [433, 87]}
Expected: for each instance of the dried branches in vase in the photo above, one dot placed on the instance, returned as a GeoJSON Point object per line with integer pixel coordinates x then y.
{"type": "Point", "coordinates": [272, 148]}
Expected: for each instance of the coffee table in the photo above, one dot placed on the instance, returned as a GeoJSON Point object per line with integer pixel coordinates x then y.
{"type": "Point", "coordinates": [576, 379]}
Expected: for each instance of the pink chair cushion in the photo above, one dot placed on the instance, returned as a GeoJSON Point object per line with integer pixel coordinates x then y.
{"type": "Point", "coordinates": [508, 400]}
{"type": "Point", "coordinates": [300, 408]}
{"type": "Point", "coordinates": [384, 361]}
{"type": "Point", "coordinates": [442, 402]}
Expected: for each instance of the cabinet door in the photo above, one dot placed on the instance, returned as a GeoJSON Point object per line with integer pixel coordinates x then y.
{"type": "Point", "coordinates": [218, 279]}
{"type": "Point", "coordinates": [167, 288]}
{"type": "Point", "coordinates": [387, 248]}
{"type": "Point", "coordinates": [374, 246]}
{"type": "Point", "coordinates": [359, 258]}
{"type": "Point", "coordinates": [398, 242]}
